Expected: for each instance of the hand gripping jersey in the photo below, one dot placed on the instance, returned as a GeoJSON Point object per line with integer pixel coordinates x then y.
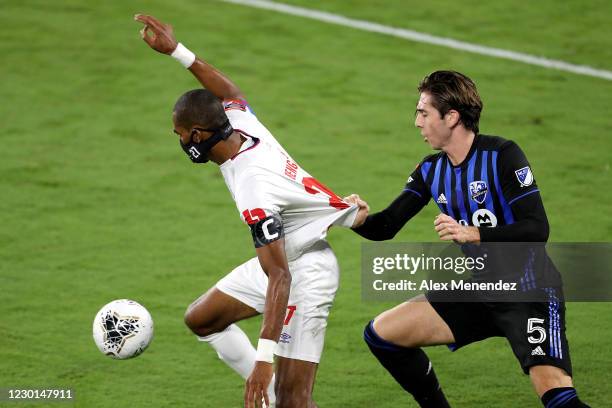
{"type": "Point", "coordinates": [265, 181]}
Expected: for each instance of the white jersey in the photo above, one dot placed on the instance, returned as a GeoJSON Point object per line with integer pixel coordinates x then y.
{"type": "Point", "coordinates": [264, 180]}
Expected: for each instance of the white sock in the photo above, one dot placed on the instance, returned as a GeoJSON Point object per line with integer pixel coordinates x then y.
{"type": "Point", "coordinates": [235, 349]}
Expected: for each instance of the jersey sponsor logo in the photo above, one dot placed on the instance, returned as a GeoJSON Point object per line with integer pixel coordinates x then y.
{"type": "Point", "coordinates": [478, 191]}
{"type": "Point", "coordinates": [484, 218]}
{"type": "Point", "coordinates": [538, 351]}
{"type": "Point", "coordinates": [524, 176]}
{"type": "Point", "coordinates": [441, 199]}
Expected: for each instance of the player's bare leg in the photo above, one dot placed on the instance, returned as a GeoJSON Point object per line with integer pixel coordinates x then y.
{"type": "Point", "coordinates": [294, 383]}
{"type": "Point", "coordinates": [214, 311]}
{"type": "Point", "coordinates": [546, 377]}
{"type": "Point", "coordinates": [414, 323]}
{"type": "Point", "coordinates": [211, 317]}
{"type": "Point", "coordinates": [395, 336]}
{"type": "Point", "coordinates": [554, 386]}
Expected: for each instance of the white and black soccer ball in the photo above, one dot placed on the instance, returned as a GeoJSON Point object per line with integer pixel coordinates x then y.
{"type": "Point", "coordinates": [123, 329]}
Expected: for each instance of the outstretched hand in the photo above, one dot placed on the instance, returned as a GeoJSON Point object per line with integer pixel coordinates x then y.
{"type": "Point", "coordinates": [158, 35]}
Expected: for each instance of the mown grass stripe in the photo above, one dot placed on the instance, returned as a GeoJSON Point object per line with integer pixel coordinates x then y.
{"type": "Point", "coordinates": [426, 38]}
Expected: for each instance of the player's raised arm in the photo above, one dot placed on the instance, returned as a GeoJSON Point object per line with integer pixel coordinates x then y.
{"type": "Point", "coordinates": [160, 37]}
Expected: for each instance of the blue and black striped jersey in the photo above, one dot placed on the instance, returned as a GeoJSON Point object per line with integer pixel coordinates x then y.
{"type": "Point", "coordinates": [481, 190]}
{"type": "Point", "coordinates": [492, 189]}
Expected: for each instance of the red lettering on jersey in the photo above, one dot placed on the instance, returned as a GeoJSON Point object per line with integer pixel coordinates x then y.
{"type": "Point", "coordinates": [291, 169]}
{"type": "Point", "coordinates": [254, 215]}
{"type": "Point", "coordinates": [313, 186]}
{"type": "Point", "coordinates": [290, 312]}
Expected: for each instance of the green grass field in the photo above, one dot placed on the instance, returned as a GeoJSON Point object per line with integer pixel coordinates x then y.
{"type": "Point", "coordinates": [98, 202]}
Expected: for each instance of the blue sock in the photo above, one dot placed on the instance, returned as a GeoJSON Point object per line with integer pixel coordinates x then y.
{"type": "Point", "coordinates": [564, 397]}
{"type": "Point", "coordinates": [410, 367]}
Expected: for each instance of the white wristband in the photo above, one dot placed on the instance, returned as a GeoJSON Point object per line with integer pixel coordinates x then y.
{"type": "Point", "coordinates": [265, 350]}
{"type": "Point", "coordinates": [183, 55]}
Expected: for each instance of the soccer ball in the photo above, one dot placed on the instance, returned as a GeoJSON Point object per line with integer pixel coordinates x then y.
{"type": "Point", "coordinates": [122, 329]}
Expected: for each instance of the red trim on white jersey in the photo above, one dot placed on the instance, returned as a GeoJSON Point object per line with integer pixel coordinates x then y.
{"type": "Point", "coordinates": [236, 104]}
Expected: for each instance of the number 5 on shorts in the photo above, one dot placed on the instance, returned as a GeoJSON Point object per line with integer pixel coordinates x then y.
{"type": "Point", "coordinates": [533, 328]}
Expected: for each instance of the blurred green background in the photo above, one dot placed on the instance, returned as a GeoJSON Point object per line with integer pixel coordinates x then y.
{"type": "Point", "coordinates": [98, 202]}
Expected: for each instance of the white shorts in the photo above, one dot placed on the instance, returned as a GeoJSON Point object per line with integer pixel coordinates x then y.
{"type": "Point", "coordinates": [314, 282]}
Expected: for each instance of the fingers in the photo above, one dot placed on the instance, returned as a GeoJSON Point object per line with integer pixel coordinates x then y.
{"type": "Point", "coordinates": [443, 218]}
{"type": "Point", "coordinates": [352, 199]}
{"type": "Point", "coordinates": [152, 29]}
{"type": "Point", "coordinates": [149, 20]}
{"type": "Point", "coordinates": [442, 226]}
{"type": "Point", "coordinates": [265, 397]}
{"type": "Point", "coordinates": [253, 396]}
{"type": "Point", "coordinates": [451, 232]}
{"type": "Point", "coordinates": [447, 230]}
{"type": "Point", "coordinates": [148, 37]}
{"type": "Point", "coordinates": [248, 397]}
{"type": "Point", "coordinates": [355, 199]}
{"type": "Point", "coordinates": [449, 237]}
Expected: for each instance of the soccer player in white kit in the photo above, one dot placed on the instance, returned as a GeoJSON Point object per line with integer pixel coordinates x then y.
{"type": "Point", "coordinates": [294, 278]}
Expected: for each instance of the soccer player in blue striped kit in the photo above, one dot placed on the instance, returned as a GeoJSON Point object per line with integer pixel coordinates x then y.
{"type": "Point", "coordinates": [486, 192]}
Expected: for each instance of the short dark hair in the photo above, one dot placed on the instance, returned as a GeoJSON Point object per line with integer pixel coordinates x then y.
{"type": "Point", "coordinates": [201, 107]}
{"type": "Point", "coordinates": [453, 90]}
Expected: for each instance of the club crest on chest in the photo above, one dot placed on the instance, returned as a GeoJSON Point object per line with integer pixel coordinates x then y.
{"type": "Point", "coordinates": [478, 191]}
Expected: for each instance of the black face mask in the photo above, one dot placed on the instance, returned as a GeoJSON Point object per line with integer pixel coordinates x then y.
{"type": "Point", "coordinates": [198, 152]}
